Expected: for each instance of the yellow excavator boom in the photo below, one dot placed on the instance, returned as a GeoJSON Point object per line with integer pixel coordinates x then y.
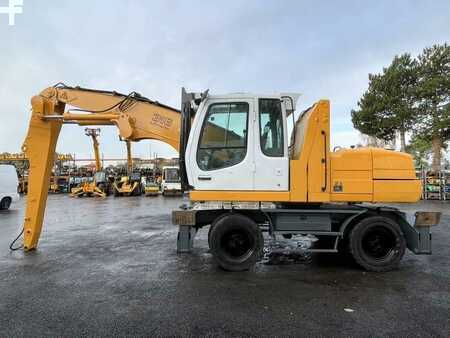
{"type": "Point", "coordinates": [136, 118]}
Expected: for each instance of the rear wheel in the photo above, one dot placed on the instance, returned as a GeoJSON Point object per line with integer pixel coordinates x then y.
{"type": "Point", "coordinates": [236, 242]}
{"type": "Point", "coordinates": [5, 203]}
{"type": "Point", "coordinates": [377, 244]}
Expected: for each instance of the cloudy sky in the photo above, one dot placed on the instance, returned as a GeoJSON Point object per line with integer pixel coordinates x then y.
{"type": "Point", "coordinates": [323, 49]}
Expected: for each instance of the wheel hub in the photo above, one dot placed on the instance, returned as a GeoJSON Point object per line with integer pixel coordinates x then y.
{"type": "Point", "coordinates": [379, 243]}
{"type": "Point", "coordinates": [237, 244]}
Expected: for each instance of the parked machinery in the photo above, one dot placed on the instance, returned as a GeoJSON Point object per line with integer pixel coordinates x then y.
{"type": "Point", "coordinates": [59, 184]}
{"type": "Point", "coordinates": [130, 184]}
{"type": "Point", "coordinates": [171, 181]}
{"type": "Point", "coordinates": [151, 188]}
{"type": "Point", "coordinates": [98, 185]}
{"type": "Point", "coordinates": [244, 175]}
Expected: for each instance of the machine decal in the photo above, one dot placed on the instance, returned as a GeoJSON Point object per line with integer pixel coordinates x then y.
{"type": "Point", "coordinates": [161, 121]}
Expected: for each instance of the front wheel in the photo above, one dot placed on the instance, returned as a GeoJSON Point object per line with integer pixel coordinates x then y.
{"type": "Point", "coordinates": [236, 242]}
{"type": "Point", "coordinates": [377, 244]}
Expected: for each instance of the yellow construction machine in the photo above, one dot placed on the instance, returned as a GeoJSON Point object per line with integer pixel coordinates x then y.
{"type": "Point", "coordinates": [98, 186]}
{"type": "Point", "coordinates": [152, 186]}
{"type": "Point", "coordinates": [58, 184]}
{"type": "Point", "coordinates": [246, 176]}
{"type": "Point", "coordinates": [130, 184]}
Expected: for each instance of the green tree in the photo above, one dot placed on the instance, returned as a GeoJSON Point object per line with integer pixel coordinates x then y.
{"type": "Point", "coordinates": [387, 107]}
{"type": "Point", "coordinates": [421, 149]}
{"type": "Point", "coordinates": [433, 97]}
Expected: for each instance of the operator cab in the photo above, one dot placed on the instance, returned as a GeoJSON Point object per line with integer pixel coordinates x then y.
{"type": "Point", "coordinates": [234, 134]}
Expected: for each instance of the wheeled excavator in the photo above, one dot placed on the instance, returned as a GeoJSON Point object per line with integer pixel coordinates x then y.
{"type": "Point", "coordinates": [98, 187]}
{"type": "Point", "coordinates": [245, 176]}
{"type": "Point", "coordinates": [130, 184]}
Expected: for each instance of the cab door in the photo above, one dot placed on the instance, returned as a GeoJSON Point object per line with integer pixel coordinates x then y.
{"type": "Point", "coordinates": [270, 147]}
{"type": "Point", "coordinates": [220, 148]}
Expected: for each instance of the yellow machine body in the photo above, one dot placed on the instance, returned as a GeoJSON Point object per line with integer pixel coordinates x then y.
{"type": "Point", "coordinates": [373, 175]}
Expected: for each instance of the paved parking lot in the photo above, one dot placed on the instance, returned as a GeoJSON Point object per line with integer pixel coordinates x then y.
{"type": "Point", "coordinates": [109, 267]}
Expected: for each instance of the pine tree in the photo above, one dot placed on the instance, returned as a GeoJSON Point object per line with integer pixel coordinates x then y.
{"type": "Point", "coordinates": [387, 107]}
{"type": "Point", "coordinates": [433, 97]}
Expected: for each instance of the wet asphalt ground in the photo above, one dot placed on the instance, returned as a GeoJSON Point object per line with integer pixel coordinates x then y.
{"type": "Point", "coordinates": [110, 268]}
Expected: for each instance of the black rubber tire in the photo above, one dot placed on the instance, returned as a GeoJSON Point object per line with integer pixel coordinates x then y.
{"type": "Point", "coordinates": [377, 244]}
{"type": "Point", "coordinates": [5, 203]}
{"type": "Point", "coordinates": [209, 235]}
{"type": "Point", "coordinates": [236, 242]}
{"type": "Point", "coordinates": [212, 226]}
{"type": "Point", "coordinates": [287, 236]}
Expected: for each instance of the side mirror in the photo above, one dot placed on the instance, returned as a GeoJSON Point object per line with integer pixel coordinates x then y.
{"type": "Point", "coordinates": [287, 102]}
{"type": "Point", "coordinates": [290, 102]}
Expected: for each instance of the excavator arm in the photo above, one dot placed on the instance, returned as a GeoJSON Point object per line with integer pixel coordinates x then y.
{"type": "Point", "coordinates": [135, 116]}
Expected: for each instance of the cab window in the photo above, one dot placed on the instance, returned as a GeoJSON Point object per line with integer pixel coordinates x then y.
{"type": "Point", "coordinates": [271, 127]}
{"type": "Point", "coordinates": [223, 140]}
